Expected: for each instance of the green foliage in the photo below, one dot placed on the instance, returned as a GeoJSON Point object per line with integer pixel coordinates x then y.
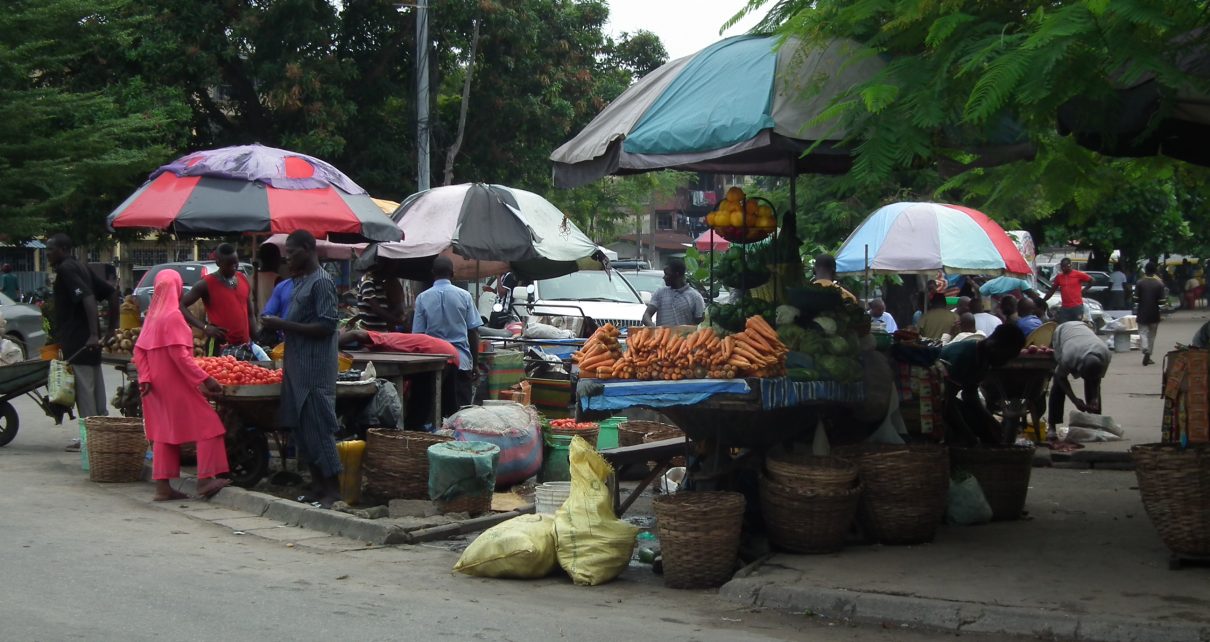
{"type": "Point", "coordinates": [94, 95]}
{"type": "Point", "coordinates": [76, 131]}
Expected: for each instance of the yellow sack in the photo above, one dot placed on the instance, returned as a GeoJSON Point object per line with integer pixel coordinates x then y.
{"type": "Point", "coordinates": [593, 545]}
{"type": "Point", "coordinates": [521, 548]}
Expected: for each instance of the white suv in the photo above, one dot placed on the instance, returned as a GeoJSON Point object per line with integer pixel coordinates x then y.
{"type": "Point", "coordinates": [604, 296]}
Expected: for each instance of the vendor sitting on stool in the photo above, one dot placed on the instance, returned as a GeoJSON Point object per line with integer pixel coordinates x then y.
{"type": "Point", "coordinates": [419, 409]}
{"type": "Point", "coordinates": [967, 363]}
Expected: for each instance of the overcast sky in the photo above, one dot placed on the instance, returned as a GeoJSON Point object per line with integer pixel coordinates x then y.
{"type": "Point", "coordinates": [685, 26]}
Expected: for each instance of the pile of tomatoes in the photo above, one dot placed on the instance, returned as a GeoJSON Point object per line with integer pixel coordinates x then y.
{"type": "Point", "coordinates": [572, 425]}
{"type": "Point", "coordinates": [231, 372]}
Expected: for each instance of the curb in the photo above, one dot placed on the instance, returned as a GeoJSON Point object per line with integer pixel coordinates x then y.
{"type": "Point", "coordinates": [317, 519]}
{"type": "Point", "coordinates": [956, 617]}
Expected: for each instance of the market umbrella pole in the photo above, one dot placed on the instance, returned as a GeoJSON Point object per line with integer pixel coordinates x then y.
{"type": "Point", "coordinates": [867, 272]}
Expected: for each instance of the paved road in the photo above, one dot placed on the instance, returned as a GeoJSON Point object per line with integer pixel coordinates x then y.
{"type": "Point", "coordinates": [83, 561]}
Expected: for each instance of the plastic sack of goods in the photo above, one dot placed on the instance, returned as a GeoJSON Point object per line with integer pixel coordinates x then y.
{"type": "Point", "coordinates": [584, 537]}
{"type": "Point", "coordinates": [514, 428]}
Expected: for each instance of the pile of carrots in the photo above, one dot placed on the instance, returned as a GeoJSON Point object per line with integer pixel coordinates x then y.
{"type": "Point", "coordinates": [665, 354]}
{"type": "Point", "coordinates": [599, 353]}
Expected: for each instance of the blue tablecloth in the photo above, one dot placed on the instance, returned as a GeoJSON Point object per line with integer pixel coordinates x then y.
{"type": "Point", "coordinates": [777, 392]}
{"type": "Point", "coordinates": [617, 395]}
{"type": "Point", "coordinates": [781, 392]}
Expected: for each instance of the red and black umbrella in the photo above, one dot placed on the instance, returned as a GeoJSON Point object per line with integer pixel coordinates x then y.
{"type": "Point", "coordinates": [254, 189]}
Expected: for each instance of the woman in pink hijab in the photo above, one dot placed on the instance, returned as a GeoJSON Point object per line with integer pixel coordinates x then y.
{"type": "Point", "coordinates": [175, 411]}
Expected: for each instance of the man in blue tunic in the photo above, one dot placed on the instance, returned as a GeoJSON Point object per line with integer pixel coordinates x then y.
{"type": "Point", "coordinates": [308, 399]}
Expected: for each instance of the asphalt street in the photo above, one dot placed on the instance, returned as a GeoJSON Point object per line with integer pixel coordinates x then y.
{"type": "Point", "coordinates": [86, 561]}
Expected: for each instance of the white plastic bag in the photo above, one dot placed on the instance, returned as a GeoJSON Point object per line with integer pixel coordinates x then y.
{"type": "Point", "coordinates": [61, 383]}
{"type": "Point", "coordinates": [966, 505]}
{"type": "Point", "coordinates": [1100, 422]}
{"type": "Point", "coordinates": [1083, 434]}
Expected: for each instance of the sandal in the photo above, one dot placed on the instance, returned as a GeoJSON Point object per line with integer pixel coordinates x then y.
{"type": "Point", "coordinates": [215, 486]}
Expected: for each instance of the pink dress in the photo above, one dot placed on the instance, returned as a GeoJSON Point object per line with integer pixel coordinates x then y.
{"type": "Point", "coordinates": [174, 410]}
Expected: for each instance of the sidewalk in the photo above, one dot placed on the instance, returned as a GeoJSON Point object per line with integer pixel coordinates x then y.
{"type": "Point", "coordinates": [1086, 564]}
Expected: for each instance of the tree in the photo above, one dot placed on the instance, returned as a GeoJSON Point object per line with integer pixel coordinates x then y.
{"type": "Point", "coordinates": [965, 79]}
{"type": "Point", "coordinates": [75, 131]}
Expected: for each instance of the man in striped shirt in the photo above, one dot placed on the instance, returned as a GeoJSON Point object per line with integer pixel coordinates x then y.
{"type": "Point", "coordinates": [379, 302]}
{"type": "Point", "coordinates": [308, 397]}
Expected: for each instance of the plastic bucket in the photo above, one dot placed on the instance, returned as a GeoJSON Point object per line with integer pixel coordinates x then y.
{"type": "Point", "coordinates": [548, 497]}
{"type": "Point", "coordinates": [83, 445]}
{"type": "Point", "coordinates": [608, 435]}
{"type": "Point", "coordinates": [1121, 342]}
{"type": "Point", "coordinates": [555, 463]}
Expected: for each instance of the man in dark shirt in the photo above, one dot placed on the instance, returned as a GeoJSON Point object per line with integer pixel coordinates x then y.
{"type": "Point", "coordinates": [1149, 293]}
{"type": "Point", "coordinates": [77, 329]}
{"type": "Point", "coordinates": [308, 399]}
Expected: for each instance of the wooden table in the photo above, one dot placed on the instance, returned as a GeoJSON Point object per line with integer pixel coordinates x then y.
{"type": "Point", "coordinates": [398, 366]}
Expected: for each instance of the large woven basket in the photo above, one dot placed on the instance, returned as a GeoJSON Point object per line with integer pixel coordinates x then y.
{"type": "Point", "coordinates": [397, 463]}
{"type": "Point", "coordinates": [801, 470]}
{"type": "Point", "coordinates": [699, 537]}
{"type": "Point", "coordinates": [631, 432]}
{"type": "Point", "coordinates": [905, 489]}
{"type": "Point", "coordinates": [1002, 472]}
{"type": "Point", "coordinates": [1175, 486]}
{"type": "Point", "coordinates": [117, 447]}
{"type": "Point", "coordinates": [811, 521]}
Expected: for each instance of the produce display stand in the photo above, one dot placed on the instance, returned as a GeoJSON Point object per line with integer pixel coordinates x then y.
{"type": "Point", "coordinates": [249, 414]}
{"type": "Point", "coordinates": [1022, 384]}
{"type": "Point", "coordinates": [716, 415]}
{"type": "Point", "coordinates": [398, 367]}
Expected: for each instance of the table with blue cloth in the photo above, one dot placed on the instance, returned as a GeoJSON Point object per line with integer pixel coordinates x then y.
{"type": "Point", "coordinates": [727, 421]}
{"type": "Point", "coordinates": [737, 412]}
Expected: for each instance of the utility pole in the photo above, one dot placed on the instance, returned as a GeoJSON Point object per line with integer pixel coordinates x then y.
{"type": "Point", "coordinates": [423, 167]}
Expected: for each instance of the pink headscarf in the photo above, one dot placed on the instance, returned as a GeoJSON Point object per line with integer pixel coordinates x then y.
{"type": "Point", "coordinates": [165, 325]}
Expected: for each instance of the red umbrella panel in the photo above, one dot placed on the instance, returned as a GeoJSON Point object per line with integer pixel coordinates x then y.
{"type": "Point", "coordinates": [254, 189]}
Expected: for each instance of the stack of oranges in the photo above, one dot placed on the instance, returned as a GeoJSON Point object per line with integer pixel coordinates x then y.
{"type": "Point", "coordinates": [739, 218]}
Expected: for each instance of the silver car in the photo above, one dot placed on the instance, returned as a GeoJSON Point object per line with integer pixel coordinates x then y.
{"type": "Point", "coordinates": [191, 272]}
{"type": "Point", "coordinates": [24, 325]}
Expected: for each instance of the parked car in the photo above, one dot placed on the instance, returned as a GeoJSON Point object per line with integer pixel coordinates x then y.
{"type": "Point", "coordinates": [629, 264]}
{"type": "Point", "coordinates": [191, 272]}
{"type": "Point", "coordinates": [604, 296]}
{"type": "Point", "coordinates": [645, 281]}
{"type": "Point", "coordinates": [24, 325]}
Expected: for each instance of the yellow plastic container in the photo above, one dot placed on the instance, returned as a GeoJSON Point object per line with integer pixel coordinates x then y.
{"type": "Point", "coordinates": [350, 476]}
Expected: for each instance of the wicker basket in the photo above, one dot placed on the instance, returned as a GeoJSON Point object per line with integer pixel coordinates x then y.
{"type": "Point", "coordinates": [905, 489]}
{"type": "Point", "coordinates": [631, 432]}
{"type": "Point", "coordinates": [699, 537]}
{"type": "Point", "coordinates": [1002, 472]}
{"type": "Point", "coordinates": [813, 521]}
{"type": "Point", "coordinates": [117, 447]}
{"type": "Point", "coordinates": [397, 463]}
{"type": "Point", "coordinates": [1175, 485]}
{"type": "Point", "coordinates": [800, 470]}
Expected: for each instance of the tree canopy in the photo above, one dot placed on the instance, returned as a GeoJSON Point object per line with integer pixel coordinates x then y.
{"type": "Point", "coordinates": [968, 82]}
{"type": "Point", "coordinates": [95, 95]}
